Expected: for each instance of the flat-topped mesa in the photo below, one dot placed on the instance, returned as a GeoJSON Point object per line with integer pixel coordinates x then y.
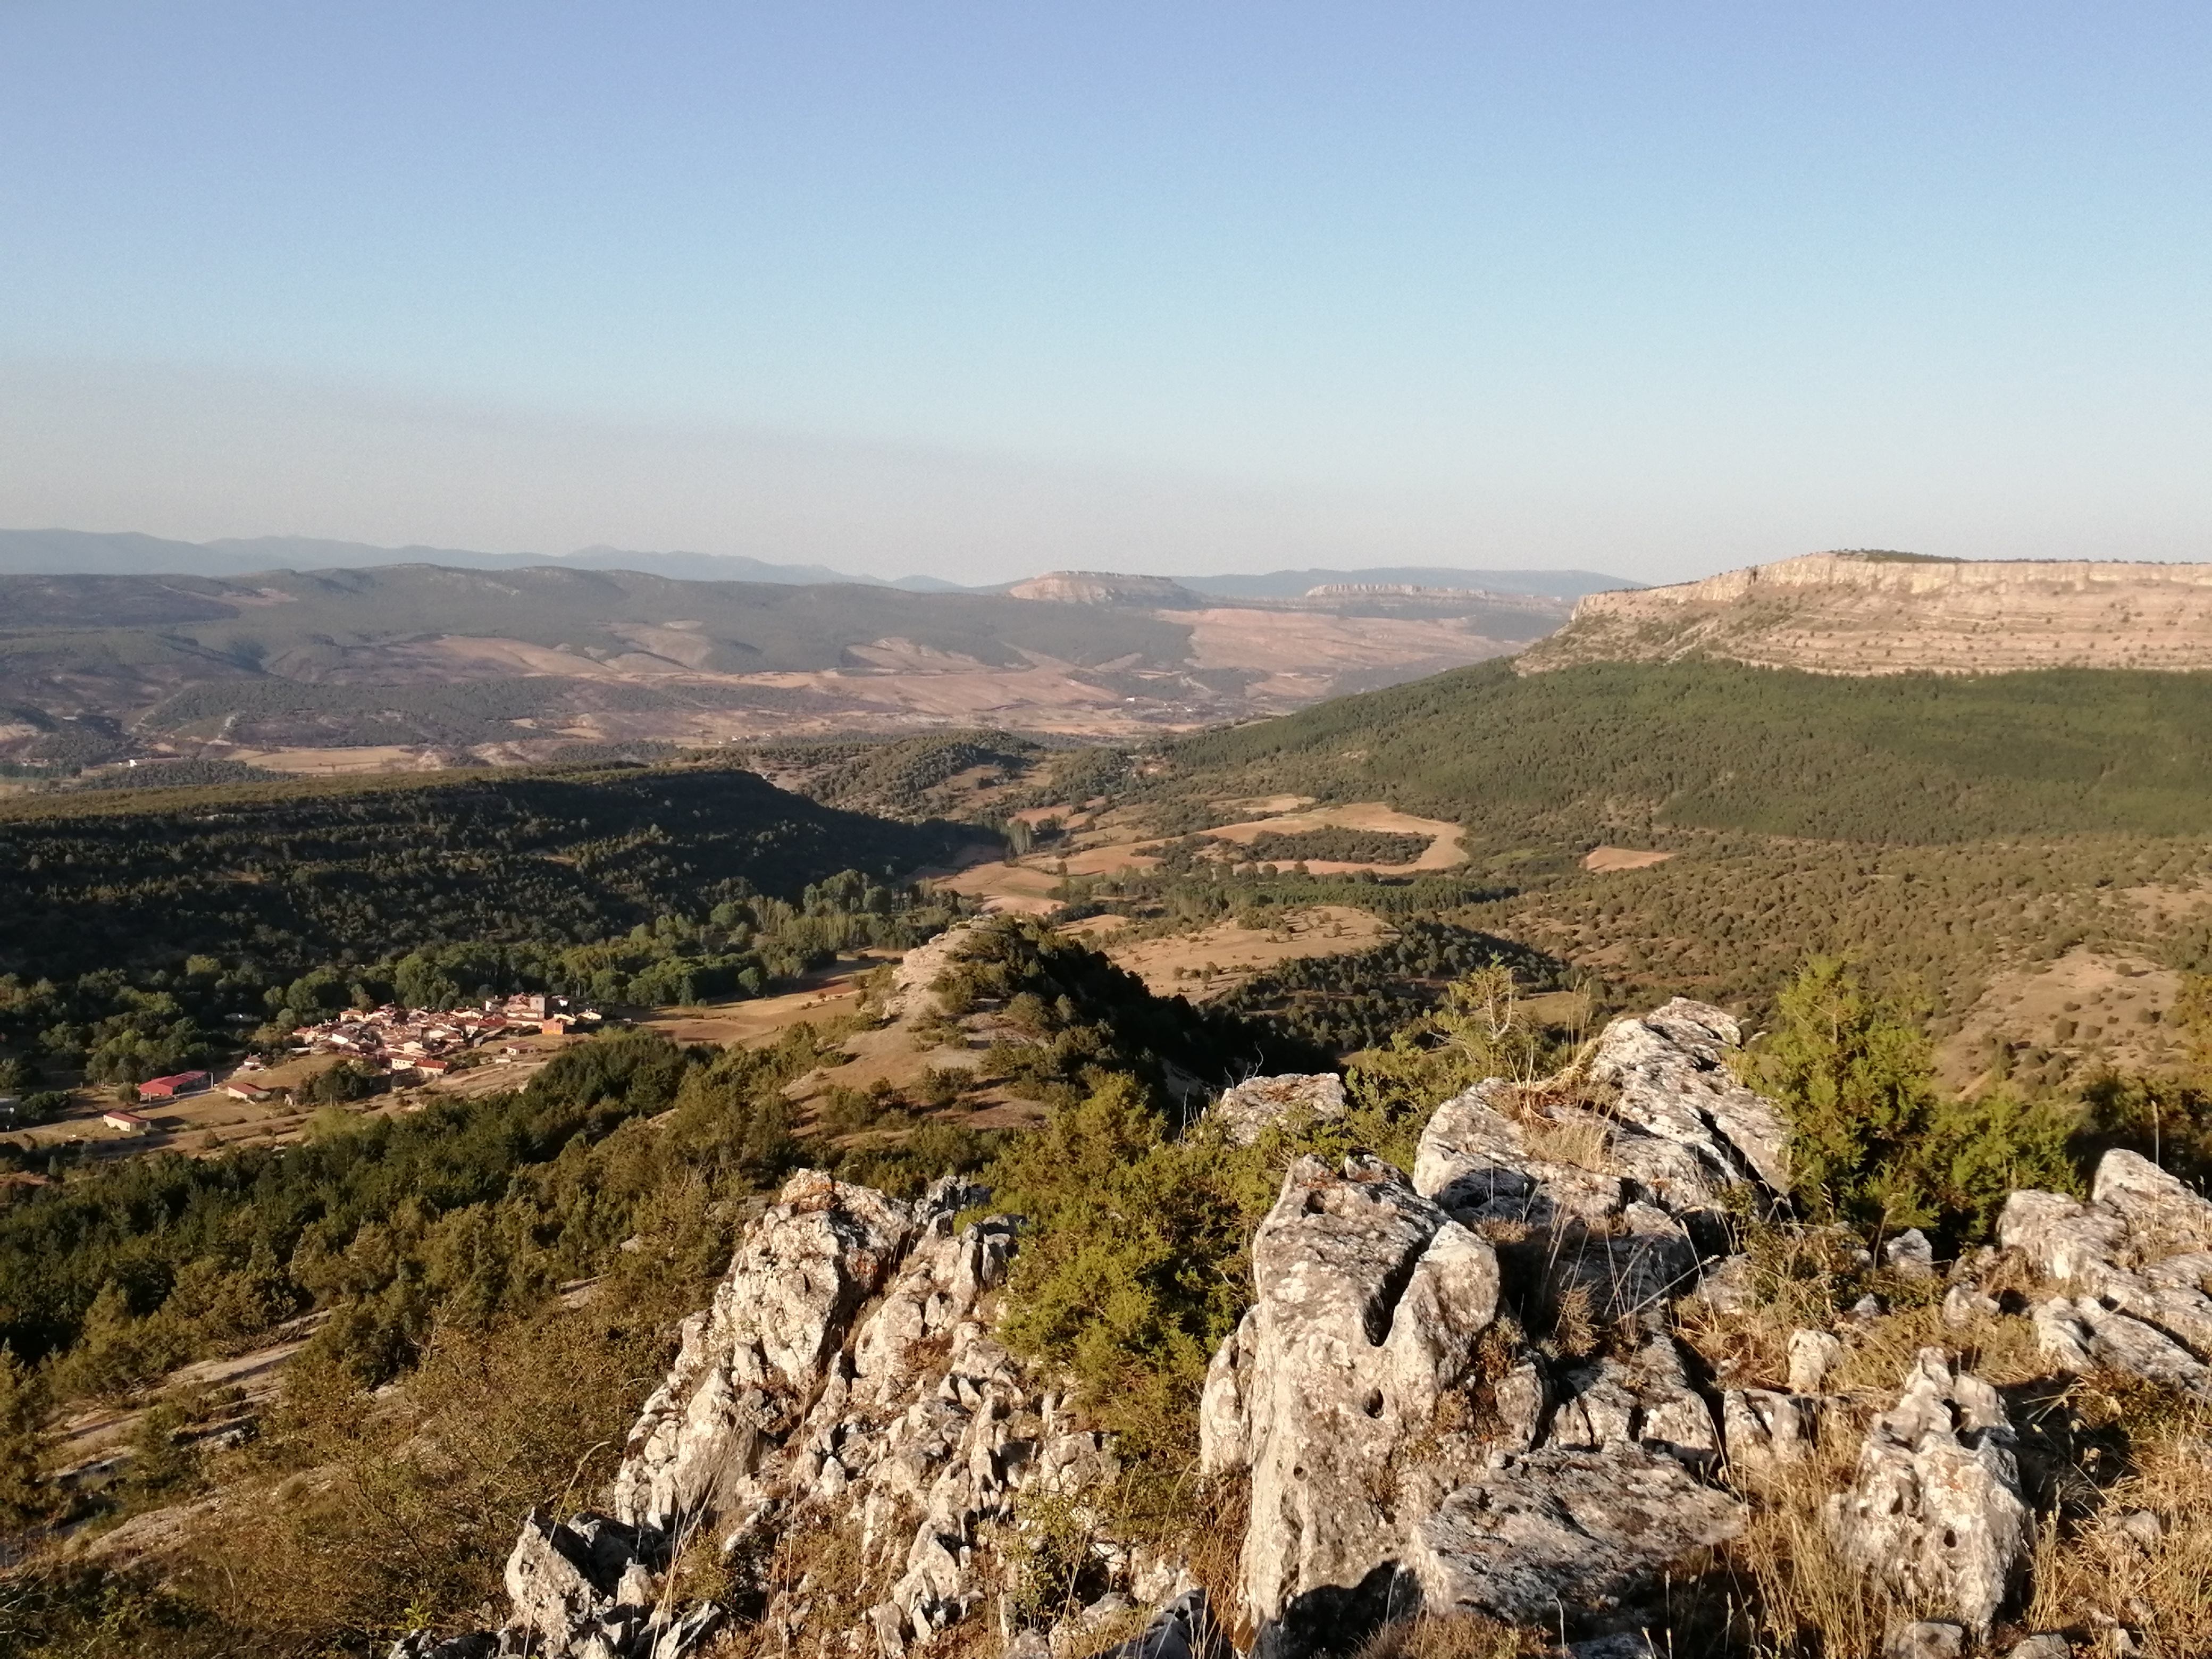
{"type": "Point", "coordinates": [1862, 613]}
{"type": "Point", "coordinates": [1105, 587]}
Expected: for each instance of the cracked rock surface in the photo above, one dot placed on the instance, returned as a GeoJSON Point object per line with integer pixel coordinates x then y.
{"type": "Point", "coordinates": [1935, 1505]}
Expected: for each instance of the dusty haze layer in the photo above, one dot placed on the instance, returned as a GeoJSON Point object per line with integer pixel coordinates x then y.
{"type": "Point", "coordinates": [1851, 613]}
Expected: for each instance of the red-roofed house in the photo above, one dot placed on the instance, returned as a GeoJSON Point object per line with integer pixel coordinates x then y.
{"type": "Point", "coordinates": [130, 1122]}
{"type": "Point", "coordinates": [168, 1088]}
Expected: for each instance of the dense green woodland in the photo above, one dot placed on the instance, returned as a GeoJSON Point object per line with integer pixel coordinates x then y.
{"type": "Point", "coordinates": [294, 876]}
{"type": "Point", "coordinates": [899, 777]}
{"type": "Point", "coordinates": [1579, 752]}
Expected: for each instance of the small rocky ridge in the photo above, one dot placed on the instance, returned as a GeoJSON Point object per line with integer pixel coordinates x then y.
{"type": "Point", "coordinates": [1414, 1400]}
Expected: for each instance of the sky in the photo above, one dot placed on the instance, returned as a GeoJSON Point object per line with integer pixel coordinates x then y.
{"type": "Point", "coordinates": [977, 290]}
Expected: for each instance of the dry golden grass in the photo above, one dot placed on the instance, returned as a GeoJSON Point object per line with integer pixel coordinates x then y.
{"type": "Point", "coordinates": [1453, 1636]}
{"type": "Point", "coordinates": [1798, 1598]}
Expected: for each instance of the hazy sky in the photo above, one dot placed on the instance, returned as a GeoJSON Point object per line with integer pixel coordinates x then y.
{"type": "Point", "coordinates": [982, 289]}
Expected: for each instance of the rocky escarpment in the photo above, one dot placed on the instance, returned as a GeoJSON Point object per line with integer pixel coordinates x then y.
{"type": "Point", "coordinates": [1473, 1389]}
{"type": "Point", "coordinates": [1846, 613]}
{"type": "Point", "coordinates": [845, 1375]}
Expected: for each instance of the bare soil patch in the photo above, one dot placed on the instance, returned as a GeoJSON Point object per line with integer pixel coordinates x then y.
{"type": "Point", "coordinates": [1444, 852]}
{"type": "Point", "coordinates": [1216, 960]}
{"type": "Point", "coordinates": [2089, 1006]}
{"type": "Point", "coordinates": [1622, 858]}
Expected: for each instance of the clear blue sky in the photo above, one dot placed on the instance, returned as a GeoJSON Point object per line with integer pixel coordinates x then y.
{"type": "Point", "coordinates": [982, 289]}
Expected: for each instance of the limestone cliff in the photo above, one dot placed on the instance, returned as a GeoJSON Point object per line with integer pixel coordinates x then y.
{"type": "Point", "coordinates": [1855, 613]}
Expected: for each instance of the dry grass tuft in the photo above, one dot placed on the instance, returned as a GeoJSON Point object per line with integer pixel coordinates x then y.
{"type": "Point", "coordinates": [1453, 1636]}
{"type": "Point", "coordinates": [2153, 1576]}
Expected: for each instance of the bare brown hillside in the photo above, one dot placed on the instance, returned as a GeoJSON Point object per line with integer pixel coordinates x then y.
{"type": "Point", "coordinates": [1858, 613]}
{"type": "Point", "coordinates": [406, 665]}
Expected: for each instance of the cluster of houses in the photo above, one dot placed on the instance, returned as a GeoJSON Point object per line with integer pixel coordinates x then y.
{"type": "Point", "coordinates": [412, 1044]}
{"type": "Point", "coordinates": [424, 1041]}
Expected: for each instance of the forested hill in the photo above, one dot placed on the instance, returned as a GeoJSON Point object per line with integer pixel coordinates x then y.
{"type": "Point", "coordinates": [298, 875]}
{"type": "Point", "coordinates": [1906, 758]}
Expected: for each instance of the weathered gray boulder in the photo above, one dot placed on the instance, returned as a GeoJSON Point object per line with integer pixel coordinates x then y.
{"type": "Point", "coordinates": [586, 1589]}
{"type": "Point", "coordinates": [2080, 1333]}
{"type": "Point", "coordinates": [1247, 1109]}
{"type": "Point", "coordinates": [1646, 1398]}
{"type": "Point", "coordinates": [1369, 1302]}
{"type": "Point", "coordinates": [1910, 1255]}
{"type": "Point", "coordinates": [1925, 1638]}
{"type": "Point", "coordinates": [1935, 1508]}
{"type": "Point", "coordinates": [1768, 1431]}
{"type": "Point", "coordinates": [421, 1644]}
{"type": "Point", "coordinates": [748, 1366]}
{"type": "Point", "coordinates": [2139, 1256]}
{"type": "Point", "coordinates": [1605, 1187]}
{"type": "Point", "coordinates": [1813, 1355]}
{"type": "Point", "coordinates": [1555, 1531]}
{"type": "Point", "coordinates": [1184, 1629]}
{"type": "Point", "coordinates": [846, 1370]}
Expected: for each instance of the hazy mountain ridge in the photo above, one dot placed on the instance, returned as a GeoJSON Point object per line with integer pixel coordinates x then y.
{"type": "Point", "coordinates": [131, 553]}
{"type": "Point", "coordinates": [399, 665]}
{"type": "Point", "coordinates": [1879, 613]}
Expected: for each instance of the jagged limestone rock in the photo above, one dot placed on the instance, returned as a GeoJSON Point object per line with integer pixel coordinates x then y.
{"type": "Point", "coordinates": [1671, 1074]}
{"type": "Point", "coordinates": [586, 1589]}
{"type": "Point", "coordinates": [1245, 1109]}
{"type": "Point", "coordinates": [421, 1644]}
{"type": "Point", "coordinates": [2080, 1333]}
{"type": "Point", "coordinates": [1369, 1301]}
{"type": "Point", "coordinates": [2141, 1253]}
{"type": "Point", "coordinates": [1183, 1629]}
{"type": "Point", "coordinates": [1812, 1354]}
{"type": "Point", "coordinates": [1935, 1507]}
{"type": "Point", "coordinates": [901, 1417]}
{"type": "Point", "coordinates": [1962, 1304]}
{"type": "Point", "coordinates": [1616, 1175]}
{"type": "Point", "coordinates": [1648, 1398]}
{"type": "Point", "coordinates": [748, 1363]}
{"type": "Point", "coordinates": [1556, 1528]}
{"type": "Point", "coordinates": [1926, 1638]}
{"type": "Point", "coordinates": [1910, 1255]}
{"type": "Point", "coordinates": [1767, 1430]}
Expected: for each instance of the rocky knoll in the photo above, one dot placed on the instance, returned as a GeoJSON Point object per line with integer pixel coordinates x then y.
{"type": "Point", "coordinates": [1850, 613]}
{"type": "Point", "coordinates": [1473, 1390]}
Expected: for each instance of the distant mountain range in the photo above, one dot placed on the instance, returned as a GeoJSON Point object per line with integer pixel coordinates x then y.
{"type": "Point", "coordinates": [127, 553]}
{"type": "Point", "coordinates": [402, 665]}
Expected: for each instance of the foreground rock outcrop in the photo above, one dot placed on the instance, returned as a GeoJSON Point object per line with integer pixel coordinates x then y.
{"type": "Point", "coordinates": [1462, 1391]}
{"type": "Point", "coordinates": [2126, 1274]}
{"type": "Point", "coordinates": [1935, 1510]}
{"type": "Point", "coordinates": [1406, 1445]}
{"type": "Point", "coordinates": [844, 1375]}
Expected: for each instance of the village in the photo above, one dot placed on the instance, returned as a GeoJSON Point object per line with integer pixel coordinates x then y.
{"type": "Point", "coordinates": [410, 1047]}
